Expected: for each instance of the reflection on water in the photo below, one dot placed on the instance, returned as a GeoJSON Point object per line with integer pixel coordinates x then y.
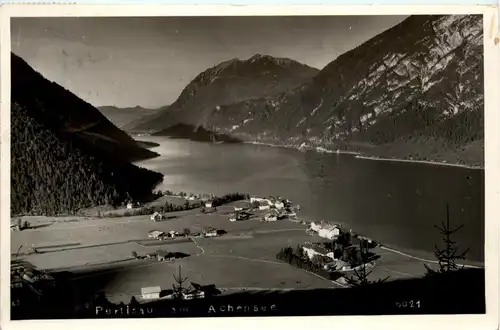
{"type": "Point", "coordinates": [396, 203]}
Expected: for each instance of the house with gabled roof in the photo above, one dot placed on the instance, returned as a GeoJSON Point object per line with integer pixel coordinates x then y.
{"type": "Point", "coordinates": [151, 292]}
{"type": "Point", "coordinates": [326, 230]}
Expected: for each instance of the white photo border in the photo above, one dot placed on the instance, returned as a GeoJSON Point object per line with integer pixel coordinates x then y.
{"type": "Point", "coordinates": [492, 164]}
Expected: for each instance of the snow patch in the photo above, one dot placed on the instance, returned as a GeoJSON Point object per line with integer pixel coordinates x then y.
{"type": "Point", "coordinates": [317, 108]}
{"type": "Point", "coordinates": [301, 122]}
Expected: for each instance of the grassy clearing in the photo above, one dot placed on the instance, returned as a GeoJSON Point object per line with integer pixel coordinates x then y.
{"type": "Point", "coordinates": [244, 257]}
{"type": "Point", "coordinates": [225, 272]}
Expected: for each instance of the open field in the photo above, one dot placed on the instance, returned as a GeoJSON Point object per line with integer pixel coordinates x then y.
{"type": "Point", "coordinates": [242, 258]}
{"type": "Point", "coordinates": [109, 210]}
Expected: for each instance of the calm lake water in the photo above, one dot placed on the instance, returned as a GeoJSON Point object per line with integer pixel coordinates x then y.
{"type": "Point", "coordinates": [393, 202]}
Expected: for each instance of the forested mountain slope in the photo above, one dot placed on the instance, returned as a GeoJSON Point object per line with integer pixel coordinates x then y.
{"type": "Point", "coordinates": [57, 165]}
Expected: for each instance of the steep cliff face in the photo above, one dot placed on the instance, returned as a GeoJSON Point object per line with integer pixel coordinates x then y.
{"type": "Point", "coordinates": [417, 76]}
{"type": "Point", "coordinates": [413, 91]}
{"type": "Point", "coordinates": [229, 82]}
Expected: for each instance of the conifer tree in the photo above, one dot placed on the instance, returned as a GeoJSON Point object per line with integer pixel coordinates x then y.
{"type": "Point", "coordinates": [179, 288]}
{"type": "Point", "coordinates": [360, 278]}
{"type": "Point", "coordinates": [449, 255]}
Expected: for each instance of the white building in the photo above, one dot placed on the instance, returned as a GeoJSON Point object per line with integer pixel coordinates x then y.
{"type": "Point", "coordinates": [279, 205]}
{"type": "Point", "coordinates": [329, 233]}
{"type": "Point", "coordinates": [212, 233]}
{"type": "Point", "coordinates": [151, 292]}
{"type": "Point", "coordinates": [155, 234]}
{"type": "Point", "coordinates": [264, 207]}
{"type": "Point", "coordinates": [270, 217]}
{"type": "Point", "coordinates": [336, 265]}
{"type": "Point", "coordinates": [157, 216]}
{"type": "Point", "coordinates": [208, 205]}
{"type": "Point", "coordinates": [325, 230]}
{"type": "Point", "coordinates": [130, 205]}
{"type": "Point", "coordinates": [193, 295]}
{"type": "Point", "coordinates": [236, 209]}
{"type": "Point", "coordinates": [312, 251]}
{"type": "Point", "coordinates": [256, 199]}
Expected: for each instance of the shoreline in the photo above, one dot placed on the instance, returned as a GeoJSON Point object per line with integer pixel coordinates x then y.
{"type": "Point", "coordinates": [466, 263]}
{"type": "Point", "coordinates": [321, 150]}
{"type": "Point", "coordinates": [373, 158]}
{"type": "Point", "coordinates": [359, 155]}
{"type": "Point", "coordinates": [428, 162]}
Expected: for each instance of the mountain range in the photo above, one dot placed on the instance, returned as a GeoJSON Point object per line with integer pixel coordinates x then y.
{"type": "Point", "coordinates": [227, 83]}
{"type": "Point", "coordinates": [414, 91]}
{"type": "Point", "coordinates": [123, 116]}
{"type": "Point", "coordinates": [65, 155]}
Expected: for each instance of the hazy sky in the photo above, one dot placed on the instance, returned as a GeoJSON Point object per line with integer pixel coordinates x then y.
{"type": "Point", "coordinates": [148, 61]}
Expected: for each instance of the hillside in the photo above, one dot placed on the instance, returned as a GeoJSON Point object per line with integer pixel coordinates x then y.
{"type": "Point", "coordinates": [195, 133]}
{"type": "Point", "coordinates": [229, 82]}
{"type": "Point", "coordinates": [414, 91]}
{"type": "Point", "coordinates": [124, 116]}
{"type": "Point", "coordinates": [58, 169]}
{"type": "Point", "coordinates": [69, 116]}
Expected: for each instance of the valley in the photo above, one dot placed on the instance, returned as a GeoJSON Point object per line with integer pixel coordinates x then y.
{"type": "Point", "coordinates": [264, 178]}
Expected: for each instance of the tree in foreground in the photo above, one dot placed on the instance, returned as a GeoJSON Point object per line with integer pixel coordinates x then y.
{"type": "Point", "coordinates": [449, 255]}
{"type": "Point", "coordinates": [133, 301]}
{"type": "Point", "coordinates": [179, 288]}
{"type": "Point", "coordinates": [361, 273]}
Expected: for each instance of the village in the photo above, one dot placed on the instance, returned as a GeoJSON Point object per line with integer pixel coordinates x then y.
{"type": "Point", "coordinates": [265, 209]}
{"type": "Point", "coordinates": [269, 209]}
{"type": "Point", "coordinates": [223, 242]}
{"type": "Point", "coordinates": [342, 253]}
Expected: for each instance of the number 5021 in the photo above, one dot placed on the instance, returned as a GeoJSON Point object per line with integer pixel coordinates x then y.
{"type": "Point", "coordinates": [408, 304]}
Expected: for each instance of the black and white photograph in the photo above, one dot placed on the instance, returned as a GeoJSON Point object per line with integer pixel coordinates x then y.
{"type": "Point", "coordinates": [247, 166]}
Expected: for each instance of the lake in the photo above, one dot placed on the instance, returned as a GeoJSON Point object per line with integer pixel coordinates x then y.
{"type": "Point", "coordinates": [396, 203]}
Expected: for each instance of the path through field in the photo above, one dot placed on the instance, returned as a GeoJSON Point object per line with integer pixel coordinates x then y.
{"type": "Point", "coordinates": [425, 260]}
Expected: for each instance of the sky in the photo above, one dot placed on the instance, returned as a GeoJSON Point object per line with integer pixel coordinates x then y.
{"type": "Point", "coordinates": [146, 62]}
